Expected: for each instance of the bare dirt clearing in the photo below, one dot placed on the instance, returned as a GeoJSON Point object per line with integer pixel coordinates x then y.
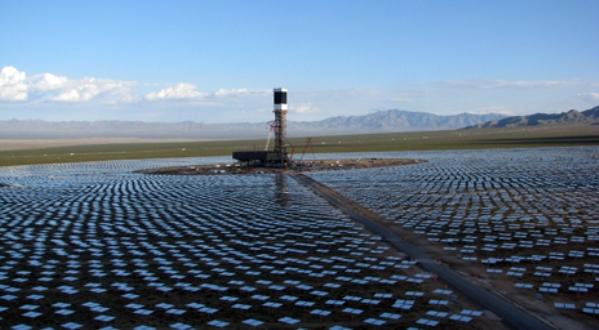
{"type": "Point", "coordinates": [300, 166]}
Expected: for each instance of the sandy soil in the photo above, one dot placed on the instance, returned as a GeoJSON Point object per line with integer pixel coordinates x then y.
{"type": "Point", "coordinates": [303, 166]}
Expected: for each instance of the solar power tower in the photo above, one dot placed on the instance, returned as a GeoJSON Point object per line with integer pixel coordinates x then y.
{"type": "Point", "coordinates": [276, 157]}
{"type": "Point", "coordinates": [280, 124]}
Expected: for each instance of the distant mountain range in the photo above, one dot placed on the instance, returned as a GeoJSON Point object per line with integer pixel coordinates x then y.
{"type": "Point", "coordinates": [395, 121]}
{"type": "Point", "coordinates": [377, 122]}
{"type": "Point", "coordinates": [590, 117]}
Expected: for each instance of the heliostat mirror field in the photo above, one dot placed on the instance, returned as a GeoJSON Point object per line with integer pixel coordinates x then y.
{"type": "Point", "coordinates": [530, 217]}
{"type": "Point", "coordinates": [93, 245]}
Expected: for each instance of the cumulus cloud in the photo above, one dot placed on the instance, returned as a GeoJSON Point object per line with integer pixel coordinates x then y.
{"type": "Point", "coordinates": [16, 86]}
{"type": "Point", "coordinates": [47, 82]}
{"type": "Point", "coordinates": [86, 89]}
{"type": "Point", "coordinates": [181, 91]}
{"type": "Point", "coordinates": [13, 85]}
{"type": "Point", "coordinates": [189, 92]}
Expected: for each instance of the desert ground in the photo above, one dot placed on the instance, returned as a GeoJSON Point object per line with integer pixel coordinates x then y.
{"type": "Point", "coordinates": [68, 150]}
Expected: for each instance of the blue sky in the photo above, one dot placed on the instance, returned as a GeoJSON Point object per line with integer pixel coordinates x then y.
{"type": "Point", "coordinates": [216, 61]}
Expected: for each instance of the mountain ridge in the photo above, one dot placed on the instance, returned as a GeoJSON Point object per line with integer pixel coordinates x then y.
{"type": "Point", "coordinates": [392, 120]}
{"type": "Point", "coordinates": [590, 116]}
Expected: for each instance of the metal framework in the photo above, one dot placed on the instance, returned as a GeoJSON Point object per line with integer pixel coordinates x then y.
{"type": "Point", "coordinates": [278, 157]}
{"type": "Point", "coordinates": [279, 127]}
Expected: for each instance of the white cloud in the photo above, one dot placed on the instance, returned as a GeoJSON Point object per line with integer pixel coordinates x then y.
{"type": "Point", "coordinates": [223, 92]}
{"type": "Point", "coordinates": [48, 87]}
{"type": "Point", "coordinates": [499, 109]}
{"type": "Point", "coordinates": [593, 96]}
{"type": "Point", "coordinates": [530, 83]}
{"type": "Point", "coordinates": [13, 85]}
{"type": "Point", "coordinates": [231, 92]}
{"type": "Point", "coordinates": [491, 84]}
{"type": "Point", "coordinates": [181, 91]}
{"type": "Point", "coordinates": [189, 92]}
{"type": "Point", "coordinates": [304, 108]}
{"type": "Point", "coordinates": [87, 89]}
{"type": "Point", "coordinates": [47, 82]}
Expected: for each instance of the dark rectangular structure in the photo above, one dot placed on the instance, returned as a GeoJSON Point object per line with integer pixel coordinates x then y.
{"type": "Point", "coordinates": [258, 158]}
{"type": "Point", "coordinates": [280, 97]}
